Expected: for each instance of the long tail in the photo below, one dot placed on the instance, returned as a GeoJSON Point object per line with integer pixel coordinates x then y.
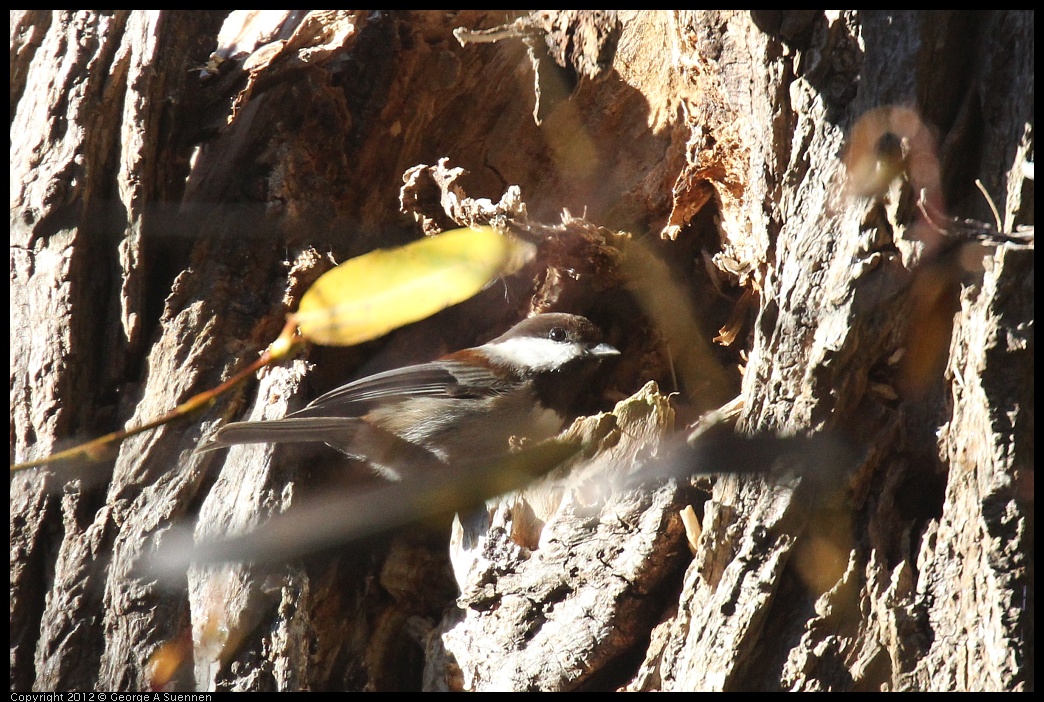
{"type": "Point", "coordinates": [388, 454]}
{"type": "Point", "coordinates": [336, 431]}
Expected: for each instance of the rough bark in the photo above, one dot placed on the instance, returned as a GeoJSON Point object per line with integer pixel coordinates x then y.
{"type": "Point", "coordinates": [169, 206]}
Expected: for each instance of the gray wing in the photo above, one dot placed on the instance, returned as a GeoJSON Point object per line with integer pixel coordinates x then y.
{"type": "Point", "coordinates": [449, 379]}
{"type": "Point", "coordinates": [334, 418]}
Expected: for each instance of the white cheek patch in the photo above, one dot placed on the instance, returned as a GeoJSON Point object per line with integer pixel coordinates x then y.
{"type": "Point", "coordinates": [535, 354]}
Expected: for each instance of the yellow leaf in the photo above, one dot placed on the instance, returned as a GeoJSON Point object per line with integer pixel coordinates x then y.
{"type": "Point", "coordinates": [368, 296]}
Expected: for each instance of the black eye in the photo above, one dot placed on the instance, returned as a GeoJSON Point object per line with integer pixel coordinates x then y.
{"type": "Point", "coordinates": [557, 334]}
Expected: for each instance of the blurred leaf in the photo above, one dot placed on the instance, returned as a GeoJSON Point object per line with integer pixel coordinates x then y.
{"type": "Point", "coordinates": [370, 295]}
{"type": "Point", "coordinates": [346, 519]}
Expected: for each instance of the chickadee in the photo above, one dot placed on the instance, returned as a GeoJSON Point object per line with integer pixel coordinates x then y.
{"type": "Point", "coordinates": [468, 405]}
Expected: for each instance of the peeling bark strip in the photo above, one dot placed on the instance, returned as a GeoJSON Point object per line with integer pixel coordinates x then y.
{"type": "Point", "coordinates": [179, 178]}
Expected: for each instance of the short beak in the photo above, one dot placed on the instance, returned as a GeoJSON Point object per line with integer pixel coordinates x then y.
{"type": "Point", "coordinates": [604, 350]}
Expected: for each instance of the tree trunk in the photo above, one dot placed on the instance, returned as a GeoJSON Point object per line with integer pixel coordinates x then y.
{"type": "Point", "coordinates": [791, 178]}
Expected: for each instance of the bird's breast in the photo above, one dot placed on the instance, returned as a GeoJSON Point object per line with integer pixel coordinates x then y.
{"type": "Point", "coordinates": [456, 429]}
